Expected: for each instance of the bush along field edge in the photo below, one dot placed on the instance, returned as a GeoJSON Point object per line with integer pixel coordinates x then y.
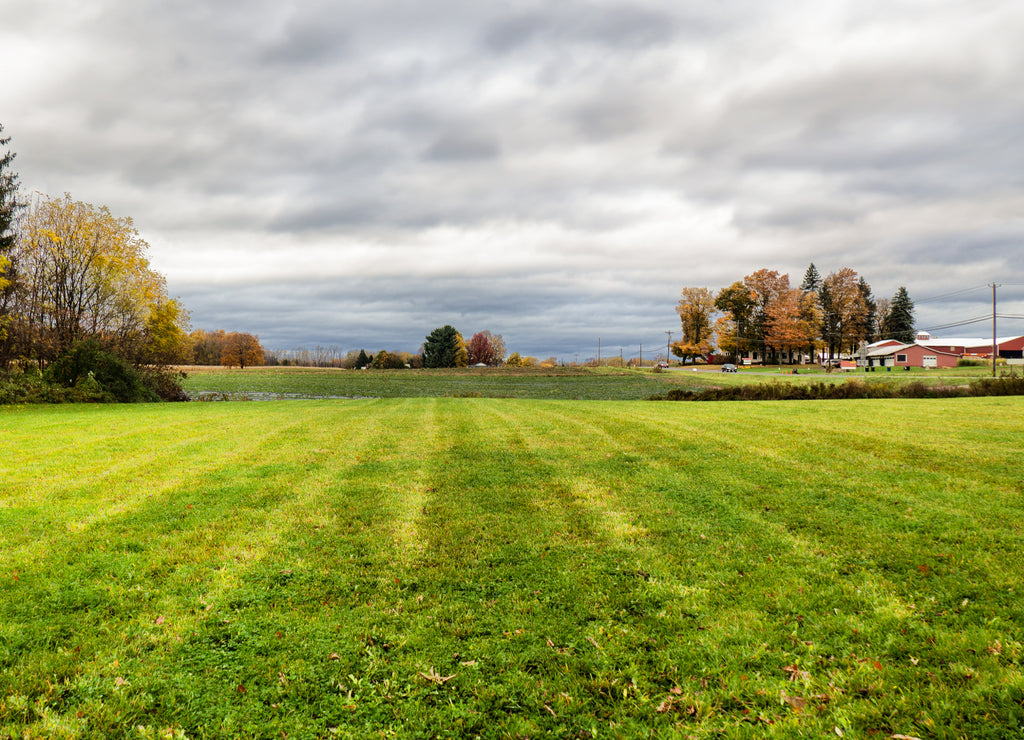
{"type": "Point", "coordinates": [851, 389]}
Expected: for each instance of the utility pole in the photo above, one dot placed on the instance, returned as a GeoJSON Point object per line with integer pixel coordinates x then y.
{"type": "Point", "coordinates": [599, 351]}
{"type": "Point", "coordinates": [995, 344]}
{"type": "Point", "coordinates": [641, 355]}
{"type": "Point", "coordinates": [668, 346]}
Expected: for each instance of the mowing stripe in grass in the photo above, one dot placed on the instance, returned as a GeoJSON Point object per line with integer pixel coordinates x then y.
{"type": "Point", "coordinates": [480, 565]}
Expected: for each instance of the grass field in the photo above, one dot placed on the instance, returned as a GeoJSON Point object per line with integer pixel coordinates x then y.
{"type": "Point", "coordinates": [558, 383]}
{"type": "Point", "coordinates": [507, 568]}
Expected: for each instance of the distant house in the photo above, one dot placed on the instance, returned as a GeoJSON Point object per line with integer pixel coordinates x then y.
{"type": "Point", "coordinates": [780, 357]}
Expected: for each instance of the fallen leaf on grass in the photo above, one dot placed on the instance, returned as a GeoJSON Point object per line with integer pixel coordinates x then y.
{"type": "Point", "coordinates": [670, 705]}
{"type": "Point", "coordinates": [160, 620]}
{"type": "Point", "coordinates": [435, 677]}
{"type": "Point", "coordinates": [120, 681]}
{"type": "Point", "coordinates": [996, 648]}
{"type": "Point", "coordinates": [795, 674]}
{"type": "Point", "coordinates": [593, 642]}
{"type": "Point", "coordinates": [914, 660]}
{"type": "Point", "coordinates": [905, 737]}
{"type": "Point", "coordinates": [797, 702]}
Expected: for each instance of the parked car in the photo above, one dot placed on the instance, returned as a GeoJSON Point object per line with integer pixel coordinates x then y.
{"type": "Point", "coordinates": [728, 368]}
{"type": "Point", "coordinates": [663, 365]}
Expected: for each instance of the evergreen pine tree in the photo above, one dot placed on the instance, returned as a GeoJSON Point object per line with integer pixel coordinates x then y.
{"type": "Point", "coordinates": [812, 279]}
{"type": "Point", "coordinates": [866, 328]}
{"type": "Point", "coordinates": [363, 360]}
{"type": "Point", "coordinates": [10, 203]}
{"type": "Point", "coordinates": [899, 324]}
{"type": "Point", "coordinates": [444, 347]}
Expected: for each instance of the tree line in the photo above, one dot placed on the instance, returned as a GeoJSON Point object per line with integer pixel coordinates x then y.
{"type": "Point", "coordinates": [764, 314]}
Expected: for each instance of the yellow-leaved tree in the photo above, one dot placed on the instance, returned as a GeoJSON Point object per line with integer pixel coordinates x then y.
{"type": "Point", "coordinates": [83, 273]}
{"type": "Point", "coordinates": [695, 308]}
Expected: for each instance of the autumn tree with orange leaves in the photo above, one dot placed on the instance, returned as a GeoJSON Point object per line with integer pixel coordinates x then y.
{"type": "Point", "coordinates": [242, 350]}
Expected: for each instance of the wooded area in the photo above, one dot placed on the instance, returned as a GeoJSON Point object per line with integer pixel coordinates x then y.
{"type": "Point", "coordinates": [762, 313]}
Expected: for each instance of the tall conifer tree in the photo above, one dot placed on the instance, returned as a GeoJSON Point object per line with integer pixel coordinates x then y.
{"type": "Point", "coordinates": [10, 205]}
{"type": "Point", "coordinates": [812, 279]}
{"type": "Point", "coordinates": [899, 324]}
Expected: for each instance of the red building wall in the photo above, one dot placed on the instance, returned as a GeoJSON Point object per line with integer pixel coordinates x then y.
{"type": "Point", "coordinates": [915, 355]}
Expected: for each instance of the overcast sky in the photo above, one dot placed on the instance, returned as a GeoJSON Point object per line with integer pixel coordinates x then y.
{"type": "Point", "coordinates": [355, 174]}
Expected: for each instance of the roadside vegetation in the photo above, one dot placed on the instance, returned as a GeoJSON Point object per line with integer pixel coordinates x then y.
{"type": "Point", "coordinates": [850, 389]}
{"type": "Point", "coordinates": [506, 568]}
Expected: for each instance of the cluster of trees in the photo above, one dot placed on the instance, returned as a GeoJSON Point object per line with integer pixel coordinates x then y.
{"type": "Point", "coordinates": [76, 272]}
{"type": "Point", "coordinates": [445, 347]}
{"type": "Point", "coordinates": [72, 275]}
{"type": "Point", "coordinates": [763, 313]}
{"type": "Point", "coordinates": [231, 349]}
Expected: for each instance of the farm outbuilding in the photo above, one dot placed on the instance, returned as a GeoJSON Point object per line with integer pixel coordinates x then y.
{"type": "Point", "coordinates": [1009, 348]}
{"type": "Point", "coordinates": [911, 355]}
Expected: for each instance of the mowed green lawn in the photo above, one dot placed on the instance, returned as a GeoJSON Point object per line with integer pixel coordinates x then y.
{"type": "Point", "coordinates": [506, 568]}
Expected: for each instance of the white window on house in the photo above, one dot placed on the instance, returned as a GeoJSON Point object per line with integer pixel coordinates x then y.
{"type": "Point", "coordinates": [901, 358]}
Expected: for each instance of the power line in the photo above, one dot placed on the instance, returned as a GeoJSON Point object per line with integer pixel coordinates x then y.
{"type": "Point", "coordinates": [949, 295]}
{"type": "Point", "coordinates": [965, 322]}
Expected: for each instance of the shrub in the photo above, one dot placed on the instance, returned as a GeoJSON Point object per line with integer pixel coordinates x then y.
{"type": "Point", "coordinates": [1004, 386]}
{"type": "Point", "coordinates": [166, 383]}
{"type": "Point", "coordinates": [32, 387]}
{"type": "Point", "coordinates": [87, 363]}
